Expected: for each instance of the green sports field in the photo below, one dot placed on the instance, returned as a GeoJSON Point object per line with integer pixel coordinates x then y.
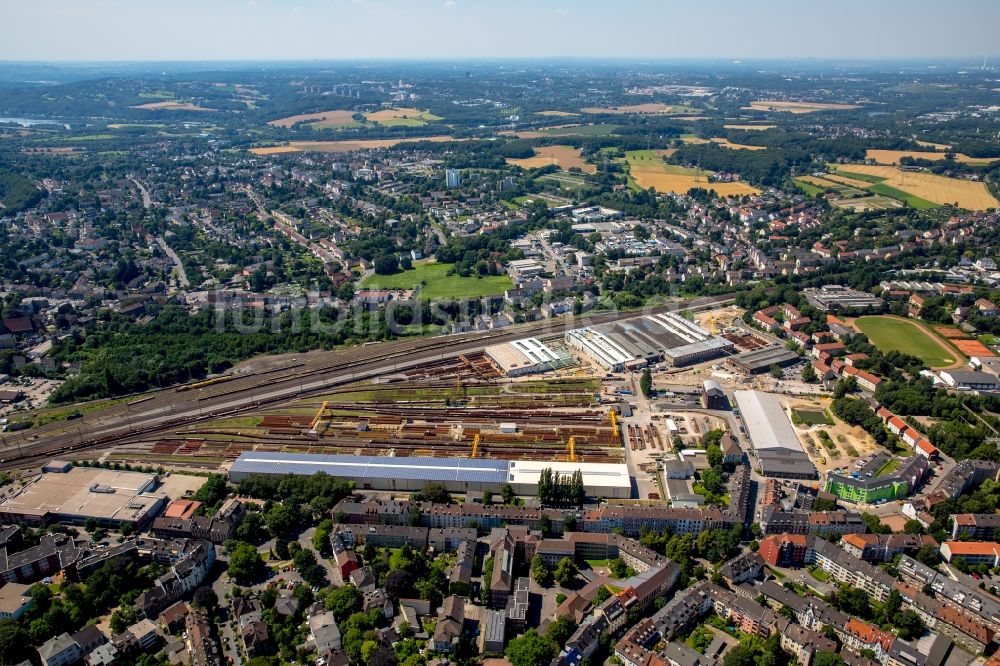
{"type": "Point", "coordinates": [908, 337]}
{"type": "Point", "coordinates": [435, 283]}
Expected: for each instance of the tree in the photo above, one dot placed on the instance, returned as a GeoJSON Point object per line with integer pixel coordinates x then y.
{"type": "Point", "coordinates": [927, 555]}
{"type": "Point", "coordinates": [646, 382]}
{"type": "Point", "coordinates": [281, 519]}
{"type": "Point", "coordinates": [122, 618]}
{"type": "Point", "coordinates": [913, 527]}
{"type": "Point", "coordinates": [531, 649]}
{"type": "Point", "coordinates": [561, 629]}
{"type": "Point", "coordinates": [398, 582]}
{"type": "Point", "coordinates": [15, 644]}
{"type": "Point", "coordinates": [321, 538]}
{"type": "Point", "coordinates": [827, 659]}
{"type": "Point", "coordinates": [386, 264]}
{"type": "Point", "coordinates": [539, 572]}
{"type": "Point", "coordinates": [809, 375]}
{"type": "Point", "coordinates": [908, 624]}
{"type": "Point", "coordinates": [775, 370]}
{"type": "Point", "coordinates": [343, 602]}
{"type": "Point", "coordinates": [565, 572]}
{"type": "Point", "coordinates": [507, 493]}
{"type": "Point", "coordinates": [741, 655]}
{"type": "Point", "coordinates": [712, 480]}
{"type": "Point", "coordinates": [545, 525]}
{"type": "Point", "coordinates": [433, 492]}
{"type": "Point", "coordinates": [206, 599]}
{"type": "Point", "coordinates": [244, 563]}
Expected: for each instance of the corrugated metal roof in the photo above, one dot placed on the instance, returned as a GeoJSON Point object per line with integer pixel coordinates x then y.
{"type": "Point", "coordinates": [429, 469]}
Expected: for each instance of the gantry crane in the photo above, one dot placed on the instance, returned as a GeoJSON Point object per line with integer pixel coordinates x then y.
{"type": "Point", "coordinates": [319, 417]}
{"type": "Point", "coordinates": [614, 422]}
{"type": "Point", "coordinates": [571, 447]}
{"type": "Point", "coordinates": [475, 446]}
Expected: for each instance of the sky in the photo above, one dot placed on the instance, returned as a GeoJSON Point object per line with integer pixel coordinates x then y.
{"type": "Point", "coordinates": [135, 30]}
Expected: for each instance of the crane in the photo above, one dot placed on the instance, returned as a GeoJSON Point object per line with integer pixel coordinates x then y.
{"type": "Point", "coordinates": [571, 447]}
{"type": "Point", "coordinates": [475, 446]}
{"type": "Point", "coordinates": [318, 417]}
{"type": "Point", "coordinates": [614, 422]}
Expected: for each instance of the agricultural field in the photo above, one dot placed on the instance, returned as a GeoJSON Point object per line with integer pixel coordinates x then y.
{"type": "Point", "coordinates": [725, 143]}
{"type": "Point", "coordinates": [569, 181]}
{"type": "Point", "coordinates": [894, 156]}
{"type": "Point", "coordinates": [749, 128]}
{"type": "Point", "coordinates": [556, 114]}
{"type": "Point", "coordinates": [434, 282]}
{"type": "Point", "coordinates": [405, 117]}
{"type": "Point", "coordinates": [275, 150]}
{"type": "Point", "coordinates": [322, 119]}
{"type": "Point", "coordinates": [361, 144]}
{"type": "Point", "coordinates": [170, 106]}
{"type": "Point", "coordinates": [565, 157]}
{"type": "Point", "coordinates": [934, 146]}
{"type": "Point", "coordinates": [798, 107]}
{"type": "Point", "coordinates": [891, 181]}
{"type": "Point", "coordinates": [649, 108]}
{"type": "Point", "coordinates": [649, 170]}
{"type": "Point", "coordinates": [890, 333]}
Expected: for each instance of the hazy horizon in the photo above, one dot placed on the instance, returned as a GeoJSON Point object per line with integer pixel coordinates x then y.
{"type": "Point", "coordinates": [63, 31]}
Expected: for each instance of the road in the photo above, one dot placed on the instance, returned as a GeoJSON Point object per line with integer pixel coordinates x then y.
{"type": "Point", "coordinates": [166, 409]}
{"type": "Point", "coordinates": [182, 277]}
{"type": "Point", "coordinates": [147, 202]}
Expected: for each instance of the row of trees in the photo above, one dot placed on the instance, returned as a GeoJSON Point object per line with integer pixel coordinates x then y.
{"type": "Point", "coordinates": [555, 488]}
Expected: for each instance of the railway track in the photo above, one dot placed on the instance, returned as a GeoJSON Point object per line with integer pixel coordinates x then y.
{"type": "Point", "coordinates": [169, 408]}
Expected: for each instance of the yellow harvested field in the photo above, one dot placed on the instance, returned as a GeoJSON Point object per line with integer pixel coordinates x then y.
{"type": "Point", "coordinates": [652, 172]}
{"type": "Point", "coordinates": [362, 144]}
{"type": "Point", "coordinates": [844, 180]}
{"type": "Point", "coordinates": [647, 108]}
{"type": "Point", "coordinates": [750, 128]}
{"type": "Point", "coordinates": [935, 146]}
{"type": "Point", "coordinates": [170, 106]}
{"type": "Point", "coordinates": [939, 189]}
{"type": "Point", "coordinates": [725, 143]}
{"type": "Point", "coordinates": [565, 157]}
{"type": "Point", "coordinates": [798, 107]}
{"type": "Point", "coordinates": [388, 115]}
{"type": "Point", "coordinates": [275, 150]}
{"type": "Point", "coordinates": [893, 157]}
{"type": "Point", "coordinates": [326, 118]}
{"type": "Point", "coordinates": [556, 113]}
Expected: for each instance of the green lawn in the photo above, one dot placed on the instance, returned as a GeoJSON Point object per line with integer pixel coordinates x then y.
{"type": "Point", "coordinates": [860, 176]}
{"type": "Point", "coordinates": [819, 574]}
{"type": "Point", "coordinates": [913, 200]}
{"type": "Point", "coordinates": [909, 337]}
{"type": "Point", "coordinates": [808, 188]}
{"type": "Point", "coordinates": [888, 468]}
{"type": "Point", "coordinates": [434, 282]}
{"type": "Point", "coordinates": [812, 417]}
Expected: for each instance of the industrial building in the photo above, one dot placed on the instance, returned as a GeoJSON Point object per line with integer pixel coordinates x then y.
{"type": "Point", "coordinates": [411, 474]}
{"type": "Point", "coordinates": [836, 297]}
{"type": "Point", "coordinates": [761, 360]}
{"type": "Point", "coordinates": [525, 357]}
{"type": "Point", "coordinates": [634, 343]}
{"type": "Point", "coordinates": [772, 438]}
{"type": "Point", "coordinates": [712, 395]}
{"type": "Point", "coordinates": [67, 494]}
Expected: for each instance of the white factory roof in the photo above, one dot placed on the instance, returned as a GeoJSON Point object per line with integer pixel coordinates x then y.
{"type": "Point", "coordinates": [601, 346]}
{"type": "Point", "coordinates": [595, 475]}
{"type": "Point", "coordinates": [766, 422]}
